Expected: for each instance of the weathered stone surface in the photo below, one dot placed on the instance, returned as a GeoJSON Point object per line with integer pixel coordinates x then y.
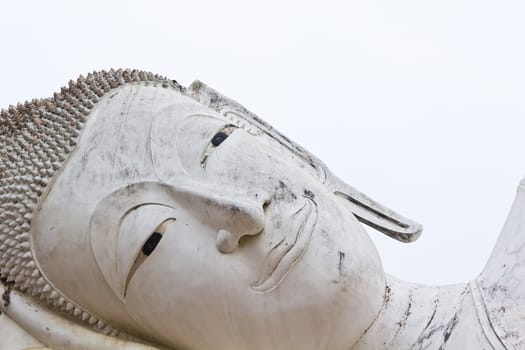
{"type": "Point", "coordinates": [139, 214]}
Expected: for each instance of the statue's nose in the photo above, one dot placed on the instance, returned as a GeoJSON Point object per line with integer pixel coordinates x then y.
{"type": "Point", "coordinates": [232, 213]}
{"type": "Point", "coordinates": [244, 218]}
{"type": "Point", "coordinates": [234, 218]}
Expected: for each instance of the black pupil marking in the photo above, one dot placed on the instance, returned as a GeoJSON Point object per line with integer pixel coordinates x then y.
{"type": "Point", "coordinates": [151, 243]}
{"type": "Point", "coordinates": [218, 138]}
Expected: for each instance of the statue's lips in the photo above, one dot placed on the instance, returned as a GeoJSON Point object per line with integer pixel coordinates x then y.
{"type": "Point", "coordinates": [283, 256]}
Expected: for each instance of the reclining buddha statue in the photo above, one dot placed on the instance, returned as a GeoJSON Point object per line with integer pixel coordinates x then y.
{"type": "Point", "coordinates": [139, 214]}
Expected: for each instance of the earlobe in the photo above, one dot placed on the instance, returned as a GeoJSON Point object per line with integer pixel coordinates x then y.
{"type": "Point", "coordinates": [379, 217]}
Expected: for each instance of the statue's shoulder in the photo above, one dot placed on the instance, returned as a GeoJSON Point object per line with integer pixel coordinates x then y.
{"type": "Point", "coordinates": [502, 282]}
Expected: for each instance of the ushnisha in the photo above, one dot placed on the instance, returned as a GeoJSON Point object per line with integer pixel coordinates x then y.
{"type": "Point", "coordinates": [139, 214]}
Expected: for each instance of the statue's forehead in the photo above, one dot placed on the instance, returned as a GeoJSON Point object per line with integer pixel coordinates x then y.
{"type": "Point", "coordinates": [154, 133]}
{"type": "Point", "coordinates": [131, 135]}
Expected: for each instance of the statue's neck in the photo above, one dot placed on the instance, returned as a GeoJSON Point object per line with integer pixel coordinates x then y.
{"type": "Point", "coordinates": [422, 317]}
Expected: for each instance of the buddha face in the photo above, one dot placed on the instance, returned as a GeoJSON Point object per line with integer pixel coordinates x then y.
{"type": "Point", "coordinates": [174, 224]}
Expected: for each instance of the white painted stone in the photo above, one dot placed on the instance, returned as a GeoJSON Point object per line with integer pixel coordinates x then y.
{"type": "Point", "coordinates": [173, 218]}
{"type": "Point", "coordinates": [31, 325]}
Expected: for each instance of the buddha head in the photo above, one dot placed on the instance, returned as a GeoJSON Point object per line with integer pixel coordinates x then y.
{"type": "Point", "coordinates": [176, 216]}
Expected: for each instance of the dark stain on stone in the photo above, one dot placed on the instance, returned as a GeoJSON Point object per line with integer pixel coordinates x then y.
{"type": "Point", "coordinates": [436, 303]}
{"type": "Point", "coordinates": [7, 291]}
{"type": "Point", "coordinates": [497, 291]}
{"type": "Point", "coordinates": [448, 330]}
{"type": "Point", "coordinates": [309, 194]}
{"type": "Point", "coordinates": [429, 330]}
{"type": "Point", "coordinates": [283, 192]}
{"type": "Point", "coordinates": [406, 314]}
{"type": "Point", "coordinates": [340, 265]}
{"type": "Point", "coordinates": [388, 294]}
{"type": "Point", "coordinates": [421, 340]}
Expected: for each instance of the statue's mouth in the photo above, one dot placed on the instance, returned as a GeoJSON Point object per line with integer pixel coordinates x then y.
{"type": "Point", "coordinates": [298, 229]}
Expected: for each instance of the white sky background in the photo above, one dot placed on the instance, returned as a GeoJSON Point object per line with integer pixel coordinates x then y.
{"type": "Point", "coordinates": [418, 104]}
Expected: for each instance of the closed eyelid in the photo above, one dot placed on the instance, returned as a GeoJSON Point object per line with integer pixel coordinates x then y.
{"type": "Point", "coordinates": [128, 221]}
{"type": "Point", "coordinates": [146, 250]}
{"type": "Point", "coordinates": [218, 138]}
{"type": "Point", "coordinates": [192, 139]}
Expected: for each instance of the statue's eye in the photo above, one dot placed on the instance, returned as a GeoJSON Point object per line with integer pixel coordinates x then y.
{"type": "Point", "coordinates": [218, 138]}
{"type": "Point", "coordinates": [216, 141]}
{"type": "Point", "coordinates": [147, 249]}
{"type": "Point", "coordinates": [151, 243]}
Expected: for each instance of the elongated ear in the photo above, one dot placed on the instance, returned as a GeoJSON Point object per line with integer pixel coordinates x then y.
{"type": "Point", "coordinates": [378, 216]}
{"type": "Point", "coordinates": [364, 208]}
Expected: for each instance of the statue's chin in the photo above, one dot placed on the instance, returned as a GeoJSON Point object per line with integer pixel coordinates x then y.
{"type": "Point", "coordinates": [329, 318]}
